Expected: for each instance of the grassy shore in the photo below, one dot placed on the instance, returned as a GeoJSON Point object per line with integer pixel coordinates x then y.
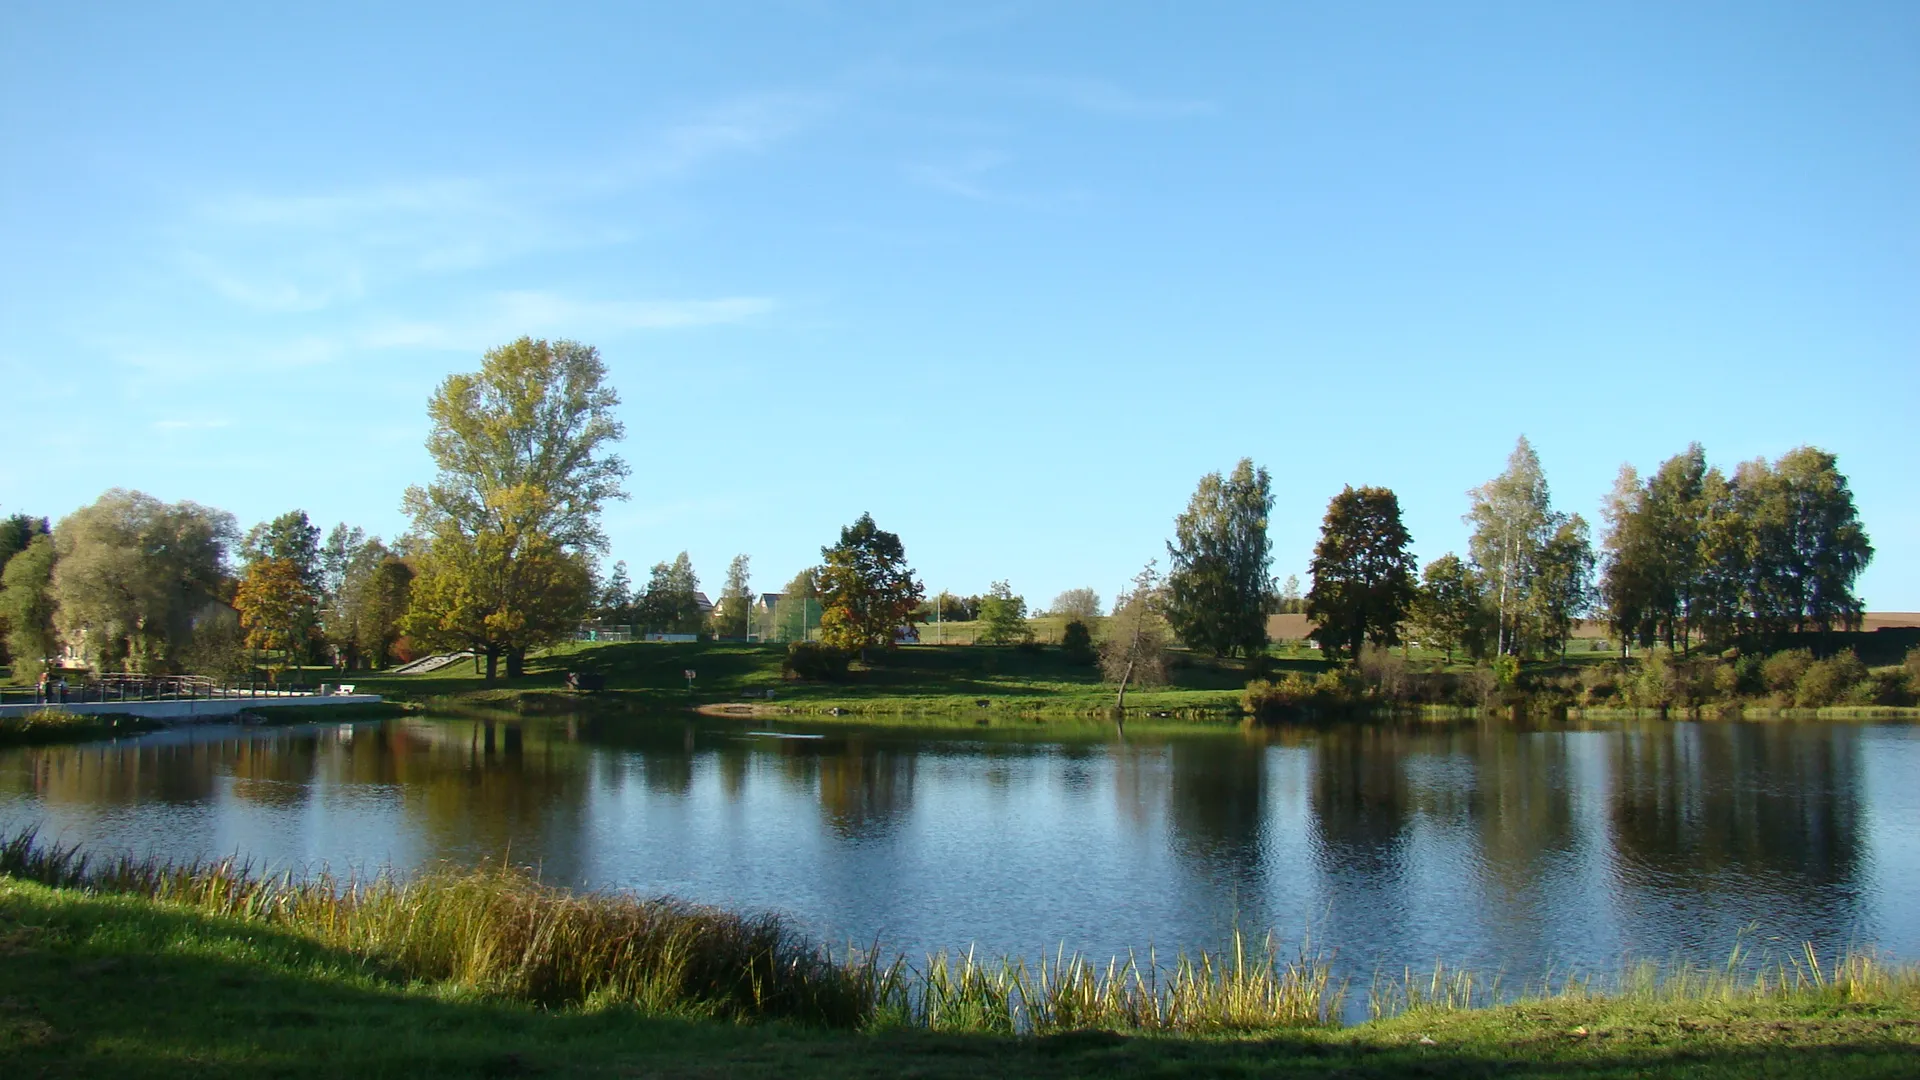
{"type": "Point", "coordinates": [133, 969]}
{"type": "Point", "coordinates": [55, 726]}
{"type": "Point", "coordinates": [49, 726]}
{"type": "Point", "coordinates": [932, 685]}
{"type": "Point", "coordinates": [923, 680]}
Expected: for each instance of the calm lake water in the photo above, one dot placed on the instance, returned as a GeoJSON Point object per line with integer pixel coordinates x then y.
{"type": "Point", "coordinates": [1491, 846]}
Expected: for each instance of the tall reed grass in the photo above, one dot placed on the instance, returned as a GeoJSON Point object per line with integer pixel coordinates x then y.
{"type": "Point", "coordinates": [1202, 992]}
{"type": "Point", "coordinates": [500, 932]}
{"type": "Point", "coordinates": [1848, 976]}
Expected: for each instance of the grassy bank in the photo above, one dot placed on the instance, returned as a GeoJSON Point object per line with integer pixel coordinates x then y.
{"type": "Point", "coordinates": [976, 683]}
{"type": "Point", "coordinates": [132, 969]}
{"type": "Point", "coordinates": [50, 726]}
{"type": "Point", "coordinates": [924, 679]}
{"type": "Point", "coordinates": [54, 726]}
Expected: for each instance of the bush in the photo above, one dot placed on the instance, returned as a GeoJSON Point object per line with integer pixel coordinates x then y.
{"type": "Point", "coordinates": [815, 661]}
{"type": "Point", "coordinates": [1294, 691]}
{"type": "Point", "coordinates": [1480, 686]}
{"type": "Point", "coordinates": [1667, 681]}
{"type": "Point", "coordinates": [1265, 698]}
{"type": "Point", "coordinates": [1830, 681]}
{"type": "Point", "coordinates": [1749, 675]}
{"type": "Point", "coordinates": [1886, 686]}
{"type": "Point", "coordinates": [1599, 684]}
{"type": "Point", "coordinates": [1726, 681]}
{"type": "Point", "coordinates": [1384, 673]}
{"type": "Point", "coordinates": [1076, 643]}
{"type": "Point", "coordinates": [1782, 671]}
{"type": "Point", "coordinates": [1913, 670]}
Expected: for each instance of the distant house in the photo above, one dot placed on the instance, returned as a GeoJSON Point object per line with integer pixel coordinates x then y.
{"type": "Point", "coordinates": [705, 605]}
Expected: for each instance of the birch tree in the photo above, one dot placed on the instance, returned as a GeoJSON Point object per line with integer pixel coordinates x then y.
{"type": "Point", "coordinates": [1512, 521]}
{"type": "Point", "coordinates": [1221, 564]}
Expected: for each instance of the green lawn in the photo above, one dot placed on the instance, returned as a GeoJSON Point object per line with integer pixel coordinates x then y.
{"type": "Point", "coordinates": [914, 678]}
{"type": "Point", "coordinates": [94, 986]}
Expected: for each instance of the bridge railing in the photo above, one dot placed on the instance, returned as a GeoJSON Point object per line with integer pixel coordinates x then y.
{"type": "Point", "coordinates": [116, 687]}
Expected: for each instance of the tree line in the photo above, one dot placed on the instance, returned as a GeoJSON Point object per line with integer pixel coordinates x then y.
{"type": "Point", "coordinates": [503, 543]}
{"type": "Point", "coordinates": [1690, 556]}
{"type": "Point", "coordinates": [131, 583]}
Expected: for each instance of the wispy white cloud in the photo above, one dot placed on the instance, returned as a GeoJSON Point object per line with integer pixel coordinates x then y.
{"type": "Point", "coordinates": [1081, 93]}
{"type": "Point", "coordinates": [968, 177]}
{"type": "Point", "coordinates": [504, 316]}
{"type": "Point", "coordinates": [742, 126]}
{"type": "Point", "coordinates": [280, 252]}
{"type": "Point", "coordinates": [963, 177]}
{"type": "Point", "coordinates": [146, 365]}
{"type": "Point", "coordinates": [279, 290]}
{"type": "Point", "coordinates": [1100, 96]}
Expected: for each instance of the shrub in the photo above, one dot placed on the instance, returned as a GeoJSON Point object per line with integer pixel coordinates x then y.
{"type": "Point", "coordinates": [1290, 693]}
{"type": "Point", "coordinates": [1913, 670]}
{"type": "Point", "coordinates": [1781, 672]}
{"type": "Point", "coordinates": [1666, 681]}
{"type": "Point", "coordinates": [1599, 684]}
{"type": "Point", "coordinates": [815, 661]}
{"type": "Point", "coordinates": [1264, 698]}
{"type": "Point", "coordinates": [1076, 643]}
{"type": "Point", "coordinates": [1384, 673]}
{"type": "Point", "coordinates": [1726, 680]}
{"type": "Point", "coordinates": [1480, 686]}
{"type": "Point", "coordinates": [1748, 673]}
{"type": "Point", "coordinates": [1829, 681]}
{"type": "Point", "coordinates": [1506, 671]}
{"type": "Point", "coordinates": [1886, 686]}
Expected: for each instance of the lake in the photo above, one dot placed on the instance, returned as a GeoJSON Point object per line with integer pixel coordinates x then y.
{"type": "Point", "coordinates": [1494, 846]}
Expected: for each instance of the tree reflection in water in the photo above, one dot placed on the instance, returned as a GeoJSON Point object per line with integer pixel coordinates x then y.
{"type": "Point", "coordinates": [1494, 844]}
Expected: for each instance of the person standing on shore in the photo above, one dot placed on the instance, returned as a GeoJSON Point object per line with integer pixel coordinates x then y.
{"type": "Point", "coordinates": [40, 697]}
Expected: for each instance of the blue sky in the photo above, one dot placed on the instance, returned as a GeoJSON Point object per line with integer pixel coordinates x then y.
{"type": "Point", "coordinates": [1010, 277]}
